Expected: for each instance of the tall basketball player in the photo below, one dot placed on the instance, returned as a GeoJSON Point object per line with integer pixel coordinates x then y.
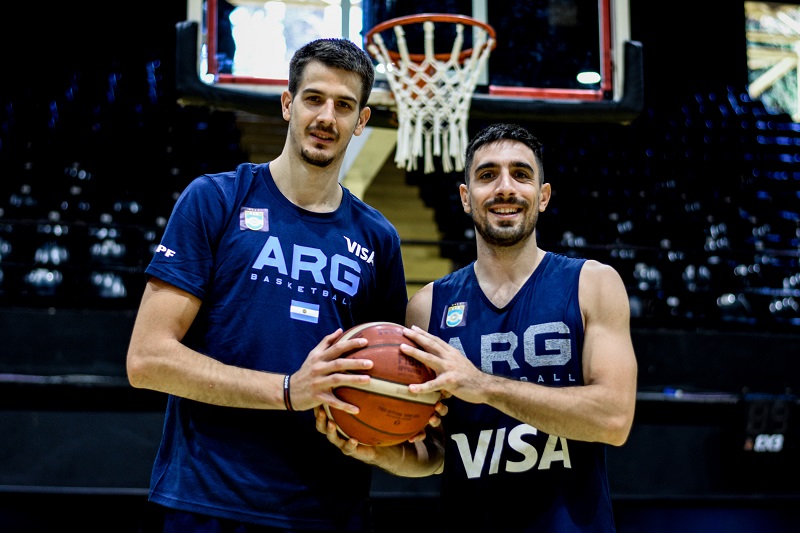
{"type": "Point", "coordinates": [255, 279]}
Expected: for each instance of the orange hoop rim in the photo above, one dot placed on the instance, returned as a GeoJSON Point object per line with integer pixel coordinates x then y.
{"type": "Point", "coordinates": [433, 17]}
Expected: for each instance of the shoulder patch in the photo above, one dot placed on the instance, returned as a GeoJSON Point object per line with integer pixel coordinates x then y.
{"type": "Point", "coordinates": [253, 219]}
{"type": "Point", "coordinates": [455, 315]}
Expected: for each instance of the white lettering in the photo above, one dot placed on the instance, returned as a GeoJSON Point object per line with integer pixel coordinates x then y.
{"type": "Point", "coordinates": [167, 252]}
{"type": "Point", "coordinates": [559, 345]}
{"type": "Point", "coordinates": [551, 454]}
{"type": "Point", "coordinates": [344, 272]}
{"type": "Point", "coordinates": [315, 267]}
{"type": "Point", "coordinates": [352, 246]}
{"type": "Point", "coordinates": [474, 462]}
{"type": "Point", "coordinates": [271, 255]}
{"type": "Point", "coordinates": [455, 342]}
{"type": "Point", "coordinates": [498, 451]}
{"type": "Point", "coordinates": [530, 455]}
{"type": "Point", "coordinates": [489, 355]}
{"type": "Point", "coordinates": [342, 279]}
{"type": "Point", "coordinates": [499, 348]}
{"type": "Point", "coordinates": [768, 443]}
{"type": "Point", "coordinates": [360, 251]}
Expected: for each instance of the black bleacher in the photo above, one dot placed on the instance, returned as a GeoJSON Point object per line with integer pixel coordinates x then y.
{"type": "Point", "coordinates": [696, 206]}
{"type": "Point", "coordinates": [702, 222]}
{"type": "Point", "coordinates": [89, 178]}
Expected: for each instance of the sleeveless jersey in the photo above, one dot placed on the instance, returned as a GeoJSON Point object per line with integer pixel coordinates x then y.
{"type": "Point", "coordinates": [501, 474]}
{"type": "Point", "coordinates": [273, 279]}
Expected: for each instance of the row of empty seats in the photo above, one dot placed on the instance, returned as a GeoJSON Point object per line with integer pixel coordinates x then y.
{"type": "Point", "coordinates": [90, 172]}
{"type": "Point", "coordinates": [695, 205]}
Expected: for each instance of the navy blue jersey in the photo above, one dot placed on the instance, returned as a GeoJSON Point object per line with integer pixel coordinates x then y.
{"type": "Point", "coordinates": [501, 474]}
{"type": "Point", "coordinates": [273, 279]}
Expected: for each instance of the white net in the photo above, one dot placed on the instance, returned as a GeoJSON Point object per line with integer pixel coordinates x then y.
{"type": "Point", "coordinates": [433, 97]}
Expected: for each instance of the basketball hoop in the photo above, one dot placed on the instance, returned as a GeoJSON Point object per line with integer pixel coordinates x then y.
{"type": "Point", "coordinates": [433, 91]}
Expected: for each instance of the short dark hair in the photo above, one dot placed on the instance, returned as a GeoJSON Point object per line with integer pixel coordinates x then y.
{"type": "Point", "coordinates": [502, 132]}
{"type": "Point", "coordinates": [334, 53]}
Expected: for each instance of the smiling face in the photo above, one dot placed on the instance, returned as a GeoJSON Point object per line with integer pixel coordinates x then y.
{"type": "Point", "coordinates": [323, 114]}
{"type": "Point", "coordinates": [505, 193]}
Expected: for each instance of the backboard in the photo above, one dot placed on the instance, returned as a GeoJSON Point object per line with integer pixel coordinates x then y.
{"type": "Point", "coordinates": [773, 33]}
{"type": "Point", "coordinates": [564, 60]}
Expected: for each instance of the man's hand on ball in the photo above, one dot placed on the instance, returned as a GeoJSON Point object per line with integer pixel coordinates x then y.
{"type": "Point", "coordinates": [349, 447]}
{"type": "Point", "coordinates": [325, 369]}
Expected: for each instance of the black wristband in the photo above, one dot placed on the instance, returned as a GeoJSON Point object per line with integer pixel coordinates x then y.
{"type": "Point", "coordinates": [286, 398]}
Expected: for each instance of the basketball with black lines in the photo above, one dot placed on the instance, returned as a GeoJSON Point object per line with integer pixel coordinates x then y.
{"type": "Point", "coordinates": [389, 414]}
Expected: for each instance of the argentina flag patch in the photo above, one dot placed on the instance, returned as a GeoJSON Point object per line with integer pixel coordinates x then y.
{"type": "Point", "coordinates": [304, 311]}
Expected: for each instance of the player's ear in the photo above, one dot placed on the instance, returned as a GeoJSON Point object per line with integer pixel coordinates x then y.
{"type": "Point", "coordinates": [463, 191]}
{"type": "Point", "coordinates": [286, 105]}
{"type": "Point", "coordinates": [544, 196]}
{"type": "Point", "coordinates": [363, 118]}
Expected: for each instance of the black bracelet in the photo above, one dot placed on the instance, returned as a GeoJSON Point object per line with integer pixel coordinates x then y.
{"type": "Point", "coordinates": [286, 398]}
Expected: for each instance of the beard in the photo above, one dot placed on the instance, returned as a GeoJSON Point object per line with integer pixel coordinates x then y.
{"type": "Point", "coordinates": [506, 234]}
{"type": "Point", "coordinates": [318, 160]}
{"type": "Point", "coordinates": [318, 157]}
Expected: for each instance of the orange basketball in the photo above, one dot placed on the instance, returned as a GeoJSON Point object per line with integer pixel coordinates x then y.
{"type": "Point", "coordinates": [389, 414]}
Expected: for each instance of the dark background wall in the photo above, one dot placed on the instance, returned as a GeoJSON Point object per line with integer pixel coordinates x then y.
{"type": "Point", "coordinates": [705, 387]}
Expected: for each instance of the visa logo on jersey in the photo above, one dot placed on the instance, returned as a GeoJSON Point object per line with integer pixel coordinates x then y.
{"type": "Point", "coordinates": [497, 450]}
{"type": "Point", "coordinates": [360, 251]}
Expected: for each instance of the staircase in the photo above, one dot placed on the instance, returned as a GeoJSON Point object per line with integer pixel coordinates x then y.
{"type": "Point", "coordinates": [419, 234]}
